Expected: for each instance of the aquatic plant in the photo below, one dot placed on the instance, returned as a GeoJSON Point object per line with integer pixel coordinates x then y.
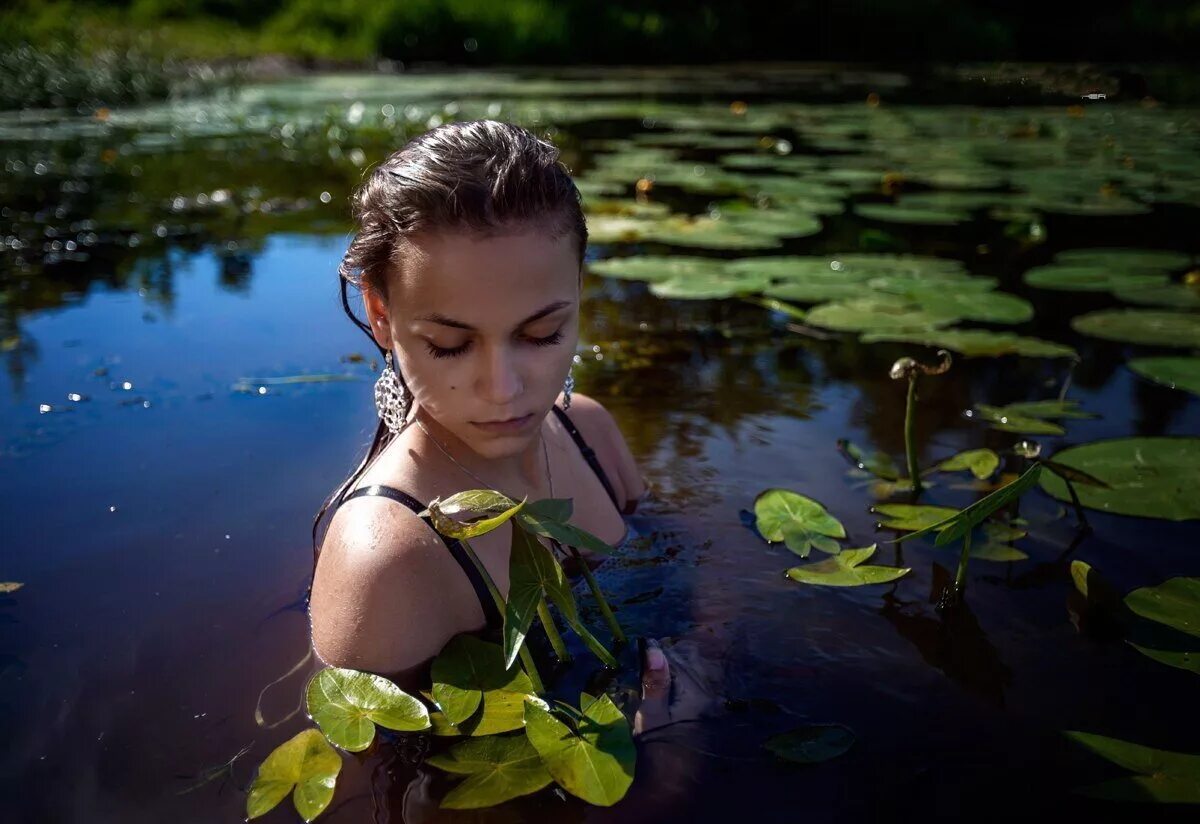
{"type": "Point", "coordinates": [908, 369]}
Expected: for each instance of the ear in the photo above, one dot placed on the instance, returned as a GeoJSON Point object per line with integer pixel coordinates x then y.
{"type": "Point", "coordinates": [377, 317]}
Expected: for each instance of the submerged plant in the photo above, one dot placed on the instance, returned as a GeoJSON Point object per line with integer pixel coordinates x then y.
{"type": "Point", "coordinates": [908, 369]}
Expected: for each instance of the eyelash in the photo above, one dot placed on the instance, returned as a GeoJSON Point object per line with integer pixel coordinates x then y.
{"type": "Point", "coordinates": [439, 352]}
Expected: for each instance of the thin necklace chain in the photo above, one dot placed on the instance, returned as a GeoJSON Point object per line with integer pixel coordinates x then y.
{"type": "Point", "coordinates": [485, 484]}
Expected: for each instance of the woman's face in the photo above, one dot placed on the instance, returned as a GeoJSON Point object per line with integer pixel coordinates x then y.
{"type": "Point", "coordinates": [484, 329]}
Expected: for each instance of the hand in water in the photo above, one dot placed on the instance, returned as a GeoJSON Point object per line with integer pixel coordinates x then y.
{"type": "Point", "coordinates": [670, 694]}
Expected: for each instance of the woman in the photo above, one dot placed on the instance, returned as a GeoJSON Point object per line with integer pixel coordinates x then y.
{"type": "Point", "coordinates": [469, 256]}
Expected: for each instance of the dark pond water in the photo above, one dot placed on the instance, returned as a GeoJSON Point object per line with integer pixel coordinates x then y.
{"type": "Point", "coordinates": [163, 264]}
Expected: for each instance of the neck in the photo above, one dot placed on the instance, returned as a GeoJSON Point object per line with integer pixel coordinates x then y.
{"type": "Point", "coordinates": [523, 470]}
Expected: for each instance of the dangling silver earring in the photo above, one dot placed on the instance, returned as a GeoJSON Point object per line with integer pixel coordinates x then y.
{"type": "Point", "coordinates": [568, 388]}
{"type": "Point", "coordinates": [392, 398]}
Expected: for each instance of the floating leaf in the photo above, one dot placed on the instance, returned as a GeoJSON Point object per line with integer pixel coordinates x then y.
{"type": "Point", "coordinates": [981, 462]}
{"type": "Point", "coordinates": [912, 516]}
{"type": "Point", "coordinates": [812, 743]}
{"type": "Point", "coordinates": [899, 213]}
{"type": "Point", "coordinates": [977, 343]}
{"type": "Point", "coordinates": [468, 671]}
{"type": "Point", "coordinates": [846, 570]}
{"type": "Point", "coordinates": [658, 267]}
{"type": "Point", "coordinates": [1180, 659]}
{"type": "Point", "coordinates": [305, 762]}
{"type": "Point", "coordinates": [959, 303]}
{"type": "Point", "coordinates": [347, 704]}
{"type": "Point", "coordinates": [1175, 372]}
{"type": "Point", "coordinates": [1126, 259]}
{"type": "Point", "coordinates": [1090, 278]}
{"type": "Point", "coordinates": [1163, 776]}
{"type": "Point", "coordinates": [879, 464]}
{"type": "Point", "coordinates": [7, 587]}
{"type": "Point", "coordinates": [594, 762]}
{"type": "Point", "coordinates": [965, 520]}
{"type": "Point", "coordinates": [797, 520]}
{"type": "Point", "coordinates": [1170, 295]}
{"type": "Point", "coordinates": [875, 314]}
{"type": "Point", "coordinates": [1174, 603]}
{"type": "Point", "coordinates": [1150, 477]}
{"type": "Point", "coordinates": [1144, 326]}
{"type": "Point", "coordinates": [1029, 417]}
{"type": "Point", "coordinates": [498, 768]}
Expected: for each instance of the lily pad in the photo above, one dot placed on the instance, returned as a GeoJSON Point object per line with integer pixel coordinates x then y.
{"type": "Point", "coordinates": [797, 520]}
{"type": "Point", "coordinates": [914, 215]}
{"type": "Point", "coordinates": [812, 743]}
{"type": "Point", "coordinates": [879, 464]}
{"type": "Point", "coordinates": [981, 462]}
{"type": "Point", "coordinates": [595, 761]}
{"type": "Point", "coordinates": [347, 704]}
{"type": "Point", "coordinates": [1144, 326]}
{"type": "Point", "coordinates": [1078, 278]}
{"type": "Point", "coordinates": [1177, 373]}
{"type": "Point", "coordinates": [306, 763]}
{"type": "Point", "coordinates": [710, 233]}
{"type": "Point", "coordinates": [1174, 603]}
{"type": "Point", "coordinates": [1154, 260]}
{"type": "Point", "coordinates": [658, 267]}
{"type": "Point", "coordinates": [1029, 417]}
{"type": "Point", "coordinates": [1170, 295]}
{"type": "Point", "coordinates": [960, 302]}
{"type": "Point", "coordinates": [911, 516]}
{"type": "Point", "coordinates": [846, 569]}
{"type": "Point", "coordinates": [467, 671]}
{"type": "Point", "coordinates": [1162, 776]}
{"type": "Point", "coordinates": [875, 315]}
{"type": "Point", "coordinates": [1149, 477]}
{"type": "Point", "coordinates": [498, 768]}
{"type": "Point", "coordinates": [976, 343]}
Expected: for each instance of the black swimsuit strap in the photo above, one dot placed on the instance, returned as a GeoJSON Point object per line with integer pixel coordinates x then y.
{"type": "Point", "coordinates": [490, 611]}
{"type": "Point", "coordinates": [589, 454]}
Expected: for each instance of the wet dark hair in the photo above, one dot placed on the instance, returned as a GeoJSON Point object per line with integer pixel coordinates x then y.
{"type": "Point", "coordinates": [481, 177]}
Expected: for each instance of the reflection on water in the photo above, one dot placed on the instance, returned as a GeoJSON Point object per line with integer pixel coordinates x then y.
{"type": "Point", "coordinates": [158, 262]}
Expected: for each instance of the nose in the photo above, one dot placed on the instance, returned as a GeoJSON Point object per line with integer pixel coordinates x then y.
{"type": "Point", "coordinates": [500, 381]}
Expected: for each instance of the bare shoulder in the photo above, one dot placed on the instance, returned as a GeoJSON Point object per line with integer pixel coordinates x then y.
{"type": "Point", "coordinates": [379, 598]}
{"type": "Point", "coordinates": [602, 433]}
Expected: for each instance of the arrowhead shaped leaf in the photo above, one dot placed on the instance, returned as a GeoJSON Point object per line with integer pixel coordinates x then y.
{"type": "Point", "coordinates": [812, 743]}
{"type": "Point", "coordinates": [494, 508]}
{"type": "Point", "coordinates": [1175, 603]}
{"type": "Point", "coordinates": [498, 768]}
{"type": "Point", "coordinates": [305, 762]}
{"type": "Point", "coordinates": [469, 672]}
{"type": "Point", "coordinates": [1163, 776]}
{"type": "Point", "coordinates": [982, 463]}
{"type": "Point", "coordinates": [846, 570]}
{"type": "Point", "coordinates": [347, 704]}
{"type": "Point", "coordinates": [595, 762]}
{"type": "Point", "coordinates": [956, 526]}
{"type": "Point", "coordinates": [797, 520]}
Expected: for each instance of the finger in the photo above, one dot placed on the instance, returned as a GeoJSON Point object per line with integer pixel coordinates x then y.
{"type": "Point", "coordinates": [656, 672]}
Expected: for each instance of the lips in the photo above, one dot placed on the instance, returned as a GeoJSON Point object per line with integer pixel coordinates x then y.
{"type": "Point", "coordinates": [504, 427]}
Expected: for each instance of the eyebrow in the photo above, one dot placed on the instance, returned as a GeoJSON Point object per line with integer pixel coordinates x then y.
{"type": "Point", "coordinates": [442, 320]}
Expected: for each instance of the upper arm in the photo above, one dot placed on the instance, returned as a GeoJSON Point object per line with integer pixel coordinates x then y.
{"type": "Point", "coordinates": [380, 590]}
{"type": "Point", "coordinates": [601, 432]}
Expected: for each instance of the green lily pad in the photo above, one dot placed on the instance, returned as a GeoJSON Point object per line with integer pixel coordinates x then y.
{"type": "Point", "coordinates": [469, 669]}
{"type": "Point", "coordinates": [797, 520]}
{"type": "Point", "coordinates": [1150, 477]}
{"type": "Point", "coordinates": [1170, 295]}
{"type": "Point", "coordinates": [1184, 660]}
{"type": "Point", "coordinates": [911, 516]}
{"type": "Point", "coordinates": [1144, 326]}
{"type": "Point", "coordinates": [900, 213]}
{"type": "Point", "coordinates": [715, 287]}
{"type": "Point", "coordinates": [305, 762]}
{"type": "Point", "coordinates": [1154, 260]}
{"type": "Point", "coordinates": [975, 343]}
{"type": "Point", "coordinates": [875, 314]}
{"type": "Point", "coordinates": [1174, 603]}
{"type": "Point", "coordinates": [846, 569]}
{"type": "Point", "coordinates": [595, 761]}
{"type": "Point", "coordinates": [1078, 278]}
{"type": "Point", "coordinates": [1177, 373]}
{"type": "Point", "coordinates": [1162, 776]}
{"type": "Point", "coordinates": [347, 704]}
{"type": "Point", "coordinates": [966, 520]}
{"type": "Point", "coordinates": [498, 768]}
{"type": "Point", "coordinates": [710, 233]}
{"type": "Point", "coordinates": [1029, 417]}
{"type": "Point", "coordinates": [812, 743]}
{"type": "Point", "coordinates": [653, 268]}
{"type": "Point", "coordinates": [960, 302]}
{"type": "Point", "coordinates": [981, 462]}
{"type": "Point", "coordinates": [879, 464]}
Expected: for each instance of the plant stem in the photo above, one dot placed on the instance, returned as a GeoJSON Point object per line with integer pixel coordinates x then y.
{"type": "Point", "coordinates": [526, 657]}
{"type": "Point", "coordinates": [960, 577]}
{"type": "Point", "coordinates": [605, 610]}
{"type": "Point", "coordinates": [1083, 521]}
{"type": "Point", "coordinates": [556, 641]}
{"type": "Point", "coordinates": [910, 425]}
